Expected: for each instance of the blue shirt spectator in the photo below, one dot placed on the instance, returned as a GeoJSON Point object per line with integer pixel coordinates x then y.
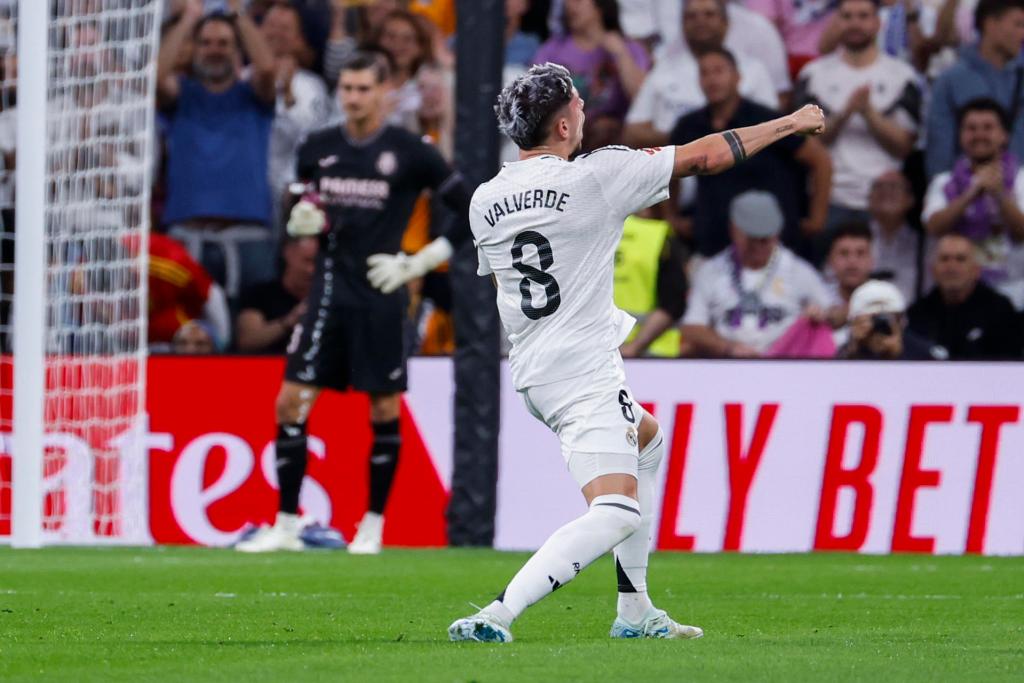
{"type": "Point", "coordinates": [991, 68]}
{"type": "Point", "coordinates": [219, 201]}
{"type": "Point", "coordinates": [217, 155]}
{"type": "Point", "coordinates": [520, 46]}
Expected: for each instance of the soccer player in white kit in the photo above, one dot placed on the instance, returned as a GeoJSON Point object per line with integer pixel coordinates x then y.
{"type": "Point", "coordinates": [546, 229]}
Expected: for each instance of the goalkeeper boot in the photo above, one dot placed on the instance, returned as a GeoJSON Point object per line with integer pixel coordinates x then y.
{"type": "Point", "coordinates": [368, 537]}
{"type": "Point", "coordinates": [657, 624]}
{"type": "Point", "coordinates": [284, 535]}
{"type": "Point", "coordinates": [482, 627]}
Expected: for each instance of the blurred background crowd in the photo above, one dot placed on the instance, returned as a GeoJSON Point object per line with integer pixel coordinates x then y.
{"type": "Point", "coordinates": [897, 234]}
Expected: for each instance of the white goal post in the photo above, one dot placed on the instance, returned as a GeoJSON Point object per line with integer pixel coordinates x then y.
{"type": "Point", "coordinates": [73, 299]}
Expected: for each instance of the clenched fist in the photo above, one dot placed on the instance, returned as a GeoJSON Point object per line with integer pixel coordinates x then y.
{"type": "Point", "coordinates": [809, 120]}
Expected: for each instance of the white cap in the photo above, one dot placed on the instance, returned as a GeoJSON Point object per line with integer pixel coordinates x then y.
{"type": "Point", "coordinates": [876, 296]}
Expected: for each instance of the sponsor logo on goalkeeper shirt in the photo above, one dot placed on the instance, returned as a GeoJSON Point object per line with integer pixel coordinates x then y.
{"type": "Point", "coordinates": [363, 193]}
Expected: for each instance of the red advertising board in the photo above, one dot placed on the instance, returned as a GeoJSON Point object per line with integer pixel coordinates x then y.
{"type": "Point", "coordinates": [211, 461]}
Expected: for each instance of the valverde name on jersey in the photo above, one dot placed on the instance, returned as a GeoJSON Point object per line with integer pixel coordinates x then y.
{"type": "Point", "coordinates": [528, 199]}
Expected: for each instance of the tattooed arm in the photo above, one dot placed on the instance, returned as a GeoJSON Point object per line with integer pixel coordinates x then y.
{"type": "Point", "coordinates": [721, 151]}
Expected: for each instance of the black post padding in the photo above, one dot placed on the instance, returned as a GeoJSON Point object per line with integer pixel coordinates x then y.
{"type": "Point", "coordinates": [479, 61]}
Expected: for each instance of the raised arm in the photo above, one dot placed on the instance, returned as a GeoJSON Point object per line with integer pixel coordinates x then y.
{"type": "Point", "coordinates": [261, 59]}
{"type": "Point", "coordinates": [721, 151]}
{"type": "Point", "coordinates": [170, 47]}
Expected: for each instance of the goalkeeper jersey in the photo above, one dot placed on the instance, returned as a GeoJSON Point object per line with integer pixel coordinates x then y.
{"type": "Point", "coordinates": [368, 189]}
{"type": "Point", "coordinates": [547, 229]}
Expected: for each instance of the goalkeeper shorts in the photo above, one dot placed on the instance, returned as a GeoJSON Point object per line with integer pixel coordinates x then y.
{"type": "Point", "coordinates": [341, 347]}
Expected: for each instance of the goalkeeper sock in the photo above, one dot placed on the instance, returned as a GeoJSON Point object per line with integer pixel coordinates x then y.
{"type": "Point", "coordinates": [631, 555]}
{"type": "Point", "coordinates": [610, 519]}
{"type": "Point", "coordinates": [291, 465]}
{"type": "Point", "coordinates": [383, 461]}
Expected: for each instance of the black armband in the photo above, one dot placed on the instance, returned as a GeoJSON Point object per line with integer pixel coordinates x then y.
{"type": "Point", "coordinates": [739, 153]}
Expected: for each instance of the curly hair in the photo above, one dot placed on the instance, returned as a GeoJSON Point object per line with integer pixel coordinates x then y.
{"type": "Point", "coordinates": [526, 106]}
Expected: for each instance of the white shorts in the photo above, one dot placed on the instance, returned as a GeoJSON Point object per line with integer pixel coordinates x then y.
{"type": "Point", "coordinates": [595, 418]}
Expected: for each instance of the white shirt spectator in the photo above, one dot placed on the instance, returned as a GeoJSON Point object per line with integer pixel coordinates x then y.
{"type": "Point", "coordinates": [750, 33]}
{"type": "Point", "coordinates": [311, 110]}
{"type": "Point", "coordinates": [898, 256]}
{"type": "Point", "coordinates": [1002, 259]}
{"type": "Point", "coordinates": [857, 157]}
{"type": "Point", "coordinates": [672, 88]}
{"type": "Point", "coordinates": [773, 297]}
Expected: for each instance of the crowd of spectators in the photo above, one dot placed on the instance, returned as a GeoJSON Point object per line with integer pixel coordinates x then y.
{"type": "Point", "coordinates": [899, 233]}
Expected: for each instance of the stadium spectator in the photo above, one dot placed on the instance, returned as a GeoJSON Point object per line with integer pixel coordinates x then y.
{"type": "Point", "coordinates": [180, 290]}
{"type": "Point", "coordinates": [747, 297]}
{"type": "Point", "coordinates": [672, 88]}
{"type": "Point", "coordinates": [873, 102]}
{"type": "Point", "coordinates": [982, 197]}
{"type": "Point", "coordinates": [218, 196]}
{"type": "Point", "coordinates": [408, 42]}
{"type": "Point", "coordinates": [657, 23]}
{"type": "Point", "coordinates": [878, 327]}
{"type": "Point", "coordinates": [520, 46]}
{"type": "Point", "coordinates": [269, 311]}
{"type": "Point", "coordinates": [8, 128]}
{"type": "Point", "coordinates": [650, 284]}
{"type": "Point", "coordinates": [194, 338]}
{"type": "Point", "coordinates": [850, 263]}
{"type": "Point", "coordinates": [608, 69]}
{"type": "Point", "coordinates": [440, 15]}
{"type": "Point", "coordinates": [8, 146]}
{"type": "Point", "coordinates": [436, 117]}
{"type": "Point", "coordinates": [991, 68]}
{"type": "Point", "coordinates": [911, 31]}
{"type": "Point", "coordinates": [340, 44]}
{"type": "Point", "coordinates": [314, 26]}
{"type": "Point", "coordinates": [800, 23]}
{"type": "Point", "coordinates": [963, 314]}
{"type": "Point", "coordinates": [314, 22]}
{"type": "Point", "coordinates": [897, 248]}
{"type": "Point", "coordinates": [776, 170]}
{"type": "Point", "coordinates": [302, 101]}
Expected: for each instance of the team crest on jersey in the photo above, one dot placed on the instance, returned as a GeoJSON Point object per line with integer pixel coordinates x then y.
{"type": "Point", "coordinates": [387, 162]}
{"type": "Point", "coordinates": [631, 437]}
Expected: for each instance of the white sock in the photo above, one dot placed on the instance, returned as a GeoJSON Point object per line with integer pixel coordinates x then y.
{"type": "Point", "coordinates": [610, 519]}
{"type": "Point", "coordinates": [631, 555]}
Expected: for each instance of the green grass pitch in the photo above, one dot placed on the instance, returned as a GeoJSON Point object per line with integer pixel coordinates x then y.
{"type": "Point", "coordinates": [195, 614]}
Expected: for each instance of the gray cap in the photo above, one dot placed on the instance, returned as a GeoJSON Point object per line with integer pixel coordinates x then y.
{"type": "Point", "coordinates": [756, 213]}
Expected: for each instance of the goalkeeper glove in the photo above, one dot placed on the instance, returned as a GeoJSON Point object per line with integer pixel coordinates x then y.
{"type": "Point", "coordinates": [388, 272]}
{"type": "Point", "coordinates": [306, 219]}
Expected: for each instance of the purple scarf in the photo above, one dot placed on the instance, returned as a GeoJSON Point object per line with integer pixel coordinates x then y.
{"type": "Point", "coordinates": [977, 221]}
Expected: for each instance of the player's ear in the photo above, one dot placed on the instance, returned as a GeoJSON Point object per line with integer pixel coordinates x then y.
{"type": "Point", "coordinates": [562, 127]}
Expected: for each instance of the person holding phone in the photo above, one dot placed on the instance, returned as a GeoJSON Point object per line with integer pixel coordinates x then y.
{"type": "Point", "coordinates": [878, 327]}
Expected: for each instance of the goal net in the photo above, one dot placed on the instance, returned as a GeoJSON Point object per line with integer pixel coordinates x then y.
{"type": "Point", "coordinates": [96, 157]}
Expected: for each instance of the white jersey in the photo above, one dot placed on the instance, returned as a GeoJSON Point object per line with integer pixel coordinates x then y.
{"type": "Point", "coordinates": [547, 229]}
{"type": "Point", "coordinates": [754, 307]}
